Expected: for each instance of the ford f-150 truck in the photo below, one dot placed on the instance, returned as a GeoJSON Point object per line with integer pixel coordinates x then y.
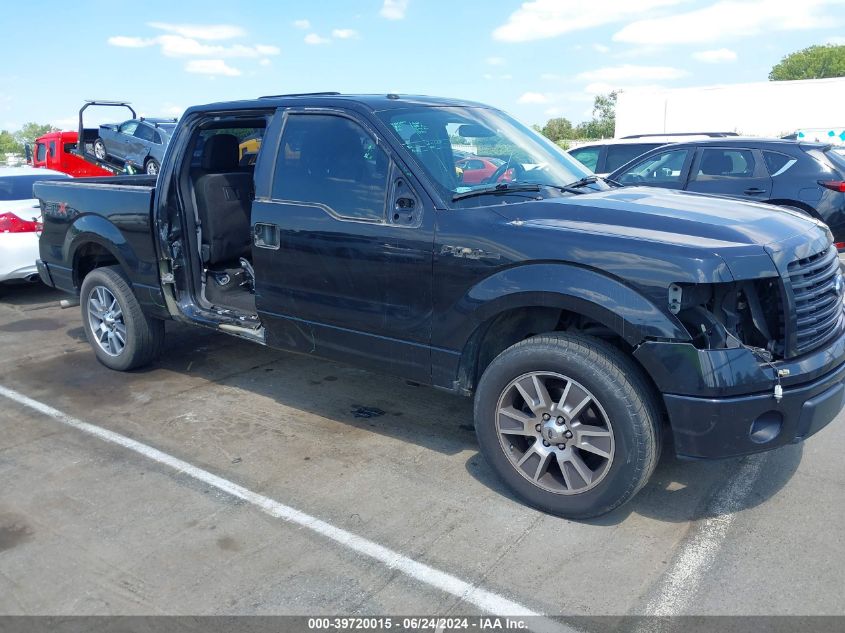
{"type": "Point", "coordinates": [588, 321]}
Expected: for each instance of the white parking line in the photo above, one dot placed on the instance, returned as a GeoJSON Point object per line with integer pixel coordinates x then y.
{"type": "Point", "coordinates": [465, 591]}
{"type": "Point", "coordinates": [698, 551]}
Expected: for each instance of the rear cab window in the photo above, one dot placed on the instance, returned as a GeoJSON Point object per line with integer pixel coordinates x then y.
{"type": "Point", "coordinates": [777, 163]}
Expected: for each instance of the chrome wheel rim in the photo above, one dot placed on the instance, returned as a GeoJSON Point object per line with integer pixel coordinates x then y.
{"type": "Point", "coordinates": [100, 151]}
{"type": "Point", "coordinates": [106, 321]}
{"type": "Point", "coordinates": [555, 432]}
{"type": "Point", "coordinates": [151, 168]}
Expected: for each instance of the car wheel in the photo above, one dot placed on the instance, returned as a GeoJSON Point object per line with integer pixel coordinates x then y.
{"type": "Point", "coordinates": [122, 336]}
{"type": "Point", "coordinates": [151, 167]}
{"type": "Point", "coordinates": [569, 423]}
{"type": "Point", "coordinates": [100, 149]}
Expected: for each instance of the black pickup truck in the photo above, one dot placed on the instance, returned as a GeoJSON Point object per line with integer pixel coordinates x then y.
{"type": "Point", "coordinates": [590, 322]}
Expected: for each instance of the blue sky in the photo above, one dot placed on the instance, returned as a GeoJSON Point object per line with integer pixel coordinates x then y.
{"type": "Point", "coordinates": [535, 59]}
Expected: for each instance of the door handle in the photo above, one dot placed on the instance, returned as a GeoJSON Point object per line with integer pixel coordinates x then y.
{"type": "Point", "coordinates": [266, 235]}
{"type": "Point", "coordinates": [754, 191]}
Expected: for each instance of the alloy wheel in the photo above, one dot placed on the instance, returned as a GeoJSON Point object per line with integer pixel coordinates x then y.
{"type": "Point", "coordinates": [105, 318]}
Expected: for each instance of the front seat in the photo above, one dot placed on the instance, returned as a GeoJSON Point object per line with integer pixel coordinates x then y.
{"type": "Point", "coordinates": [224, 202]}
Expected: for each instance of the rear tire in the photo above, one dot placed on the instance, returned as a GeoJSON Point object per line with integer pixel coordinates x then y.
{"type": "Point", "coordinates": [122, 336]}
{"type": "Point", "coordinates": [569, 423]}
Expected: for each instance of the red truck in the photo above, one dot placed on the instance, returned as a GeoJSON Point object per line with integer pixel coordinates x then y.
{"type": "Point", "coordinates": [57, 150]}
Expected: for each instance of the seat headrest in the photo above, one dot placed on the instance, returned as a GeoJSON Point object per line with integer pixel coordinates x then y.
{"type": "Point", "coordinates": [220, 153]}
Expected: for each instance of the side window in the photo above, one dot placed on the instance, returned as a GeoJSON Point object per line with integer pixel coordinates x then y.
{"type": "Point", "coordinates": [144, 132]}
{"type": "Point", "coordinates": [777, 163]}
{"type": "Point", "coordinates": [156, 138]}
{"type": "Point", "coordinates": [40, 152]}
{"type": "Point", "coordinates": [618, 155]}
{"type": "Point", "coordinates": [732, 163]}
{"type": "Point", "coordinates": [662, 168]}
{"type": "Point", "coordinates": [128, 127]}
{"type": "Point", "coordinates": [587, 156]}
{"type": "Point", "coordinates": [52, 151]}
{"type": "Point", "coordinates": [332, 161]}
{"type": "Point", "coordinates": [474, 164]}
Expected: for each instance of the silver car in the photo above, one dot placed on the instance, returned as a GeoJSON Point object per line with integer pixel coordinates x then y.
{"type": "Point", "coordinates": [140, 142]}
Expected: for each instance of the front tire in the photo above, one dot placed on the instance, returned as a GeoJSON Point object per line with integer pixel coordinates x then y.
{"type": "Point", "coordinates": [122, 336]}
{"type": "Point", "coordinates": [100, 150]}
{"type": "Point", "coordinates": [569, 423]}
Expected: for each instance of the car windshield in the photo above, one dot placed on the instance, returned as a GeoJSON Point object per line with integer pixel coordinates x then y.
{"type": "Point", "coordinates": [20, 187]}
{"type": "Point", "coordinates": [464, 149]}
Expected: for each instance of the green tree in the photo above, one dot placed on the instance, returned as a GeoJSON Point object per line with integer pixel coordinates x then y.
{"type": "Point", "coordinates": [31, 131]}
{"type": "Point", "coordinates": [814, 62]}
{"type": "Point", "coordinates": [557, 129]}
{"type": "Point", "coordinates": [8, 144]}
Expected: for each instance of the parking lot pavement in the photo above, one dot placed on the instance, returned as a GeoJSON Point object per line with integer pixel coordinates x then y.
{"type": "Point", "coordinates": [88, 526]}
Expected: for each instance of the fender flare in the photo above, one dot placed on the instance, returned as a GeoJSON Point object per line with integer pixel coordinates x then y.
{"type": "Point", "coordinates": [95, 229]}
{"type": "Point", "coordinates": [597, 296]}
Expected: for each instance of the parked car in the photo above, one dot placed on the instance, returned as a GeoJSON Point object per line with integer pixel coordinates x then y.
{"type": "Point", "coordinates": [583, 318]}
{"type": "Point", "coordinates": [477, 169]}
{"type": "Point", "coordinates": [805, 176]}
{"type": "Point", "coordinates": [603, 157]}
{"type": "Point", "coordinates": [20, 221]}
{"type": "Point", "coordinates": [138, 141]}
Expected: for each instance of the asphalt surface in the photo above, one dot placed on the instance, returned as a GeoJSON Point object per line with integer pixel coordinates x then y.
{"type": "Point", "coordinates": [89, 527]}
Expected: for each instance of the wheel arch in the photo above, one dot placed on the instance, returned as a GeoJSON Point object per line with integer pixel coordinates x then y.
{"type": "Point", "coordinates": [580, 300]}
{"type": "Point", "coordinates": [94, 242]}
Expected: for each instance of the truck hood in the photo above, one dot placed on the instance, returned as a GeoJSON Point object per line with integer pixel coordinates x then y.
{"type": "Point", "coordinates": [667, 216]}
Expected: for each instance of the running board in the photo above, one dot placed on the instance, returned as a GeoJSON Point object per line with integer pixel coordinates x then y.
{"type": "Point", "coordinates": [253, 334]}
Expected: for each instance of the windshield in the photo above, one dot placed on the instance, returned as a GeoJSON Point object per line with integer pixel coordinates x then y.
{"type": "Point", "coordinates": [20, 187]}
{"type": "Point", "coordinates": [473, 148]}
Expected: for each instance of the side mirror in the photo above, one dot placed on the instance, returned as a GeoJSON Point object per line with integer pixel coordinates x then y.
{"type": "Point", "coordinates": [27, 151]}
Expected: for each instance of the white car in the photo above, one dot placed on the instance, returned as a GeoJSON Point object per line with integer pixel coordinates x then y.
{"type": "Point", "coordinates": [20, 220]}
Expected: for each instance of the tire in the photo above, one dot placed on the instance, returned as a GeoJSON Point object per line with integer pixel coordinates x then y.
{"type": "Point", "coordinates": [151, 167]}
{"type": "Point", "coordinates": [598, 401]}
{"type": "Point", "coordinates": [121, 321]}
{"type": "Point", "coordinates": [100, 150]}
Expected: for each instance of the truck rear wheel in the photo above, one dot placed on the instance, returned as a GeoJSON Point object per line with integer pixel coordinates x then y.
{"type": "Point", "coordinates": [122, 336]}
{"type": "Point", "coordinates": [569, 423]}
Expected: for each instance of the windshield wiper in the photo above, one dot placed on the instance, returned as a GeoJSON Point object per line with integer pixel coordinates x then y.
{"type": "Point", "coordinates": [589, 180]}
{"type": "Point", "coordinates": [502, 187]}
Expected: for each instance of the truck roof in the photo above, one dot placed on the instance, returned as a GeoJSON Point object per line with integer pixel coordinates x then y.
{"type": "Point", "coordinates": [374, 102]}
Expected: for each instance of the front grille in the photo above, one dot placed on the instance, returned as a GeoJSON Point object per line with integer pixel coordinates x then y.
{"type": "Point", "coordinates": [816, 291]}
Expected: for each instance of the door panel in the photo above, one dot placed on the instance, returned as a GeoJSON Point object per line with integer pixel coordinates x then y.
{"type": "Point", "coordinates": [350, 275]}
{"type": "Point", "coordinates": [730, 171]}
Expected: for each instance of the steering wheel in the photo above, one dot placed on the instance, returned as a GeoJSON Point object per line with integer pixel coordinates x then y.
{"type": "Point", "coordinates": [506, 173]}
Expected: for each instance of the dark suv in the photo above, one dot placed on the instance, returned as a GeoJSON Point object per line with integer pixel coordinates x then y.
{"type": "Point", "coordinates": [806, 176]}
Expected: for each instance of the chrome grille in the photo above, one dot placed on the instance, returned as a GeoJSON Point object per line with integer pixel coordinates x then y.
{"type": "Point", "coordinates": [817, 293]}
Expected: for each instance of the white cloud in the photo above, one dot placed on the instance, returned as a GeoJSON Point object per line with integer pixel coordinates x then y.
{"type": "Point", "coordinates": [313, 38]}
{"type": "Point", "coordinates": [715, 56]}
{"type": "Point", "coordinates": [201, 31]}
{"type": "Point", "coordinates": [541, 19]}
{"type": "Point", "coordinates": [264, 62]}
{"type": "Point", "coordinates": [302, 24]}
{"type": "Point", "coordinates": [176, 43]}
{"type": "Point", "coordinates": [213, 67]}
{"type": "Point", "coordinates": [533, 97]}
{"type": "Point", "coordinates": [728, 19]}
{"type": "Point", "coordinates": [169, 110]}
{"type": "Point", "coordinates": [394, 9]}
{"type": "Point", "coordinates": [601, 48]}
{"type": "Point", "coordinates": [836, 40]}
{"type": "Point", "coordinates": [495, 61]}
{"type": "Point", "coordinates": [344, 34]}
{"type": "Point", "coordinates": [130, 42]}
{"type": "Point", "coordinates": [631, 73]}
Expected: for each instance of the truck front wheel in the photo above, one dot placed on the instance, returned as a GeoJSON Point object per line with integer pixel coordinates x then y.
{"type": "Point", "coordinates": [569, 423]}
{"type": "Point", "coordinates": [122, 336]}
